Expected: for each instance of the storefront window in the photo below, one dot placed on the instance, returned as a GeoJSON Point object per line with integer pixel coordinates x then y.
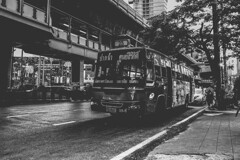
{"type": "Point", "coordinates": [33, 70]}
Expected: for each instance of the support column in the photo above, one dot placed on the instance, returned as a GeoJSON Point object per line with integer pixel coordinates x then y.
{"type": "Point", "coordinates": [5, 60]}
{"type": "Point", "coordinates": [77, 71]}
{"type": "Point", "coordinates": [10, 70]}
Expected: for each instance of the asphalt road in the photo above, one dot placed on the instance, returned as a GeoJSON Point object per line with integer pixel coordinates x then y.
{"type": "Point", "coordinates": [72, 131]}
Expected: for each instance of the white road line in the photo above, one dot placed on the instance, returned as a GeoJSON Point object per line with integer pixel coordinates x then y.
{"type": "Point", "coordinates": [17, 116]}
{"type": "Point", "coordinates": [82, 109]}
{"type": "Point", "coordinates": [36, 112]}
{"type": "Point", "coordinates": [59, 124]}
{"type": "Point", "coordinates": [149, 140]}
{"type": "Point", "coordinates": [26, 114]}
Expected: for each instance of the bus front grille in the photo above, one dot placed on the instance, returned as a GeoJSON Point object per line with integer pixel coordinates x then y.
{"type": "Point", "coordinates": [112, 104]}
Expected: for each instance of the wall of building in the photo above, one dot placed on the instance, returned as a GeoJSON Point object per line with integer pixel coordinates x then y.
{"type": "Point", "coordinates": [150, 8]}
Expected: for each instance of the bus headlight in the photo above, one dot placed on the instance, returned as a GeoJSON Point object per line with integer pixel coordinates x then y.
{"type": "Point", "coordinates": [151, 96]}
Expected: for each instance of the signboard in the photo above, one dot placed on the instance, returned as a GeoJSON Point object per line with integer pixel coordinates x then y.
{"type": "Point", "coordinates": [122, 43]}
{"type": "Point", "coordinates": [205, 69]}
{"type": "Point", "coordinates": [129, 55]}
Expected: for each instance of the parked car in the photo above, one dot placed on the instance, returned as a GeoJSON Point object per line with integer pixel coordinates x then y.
{"type": "Point", "coordinates": [27, 87]}
{"type": "Point", "coordinates": [199, 97]}
{"type": "Point", "coordinates": [77, 92]}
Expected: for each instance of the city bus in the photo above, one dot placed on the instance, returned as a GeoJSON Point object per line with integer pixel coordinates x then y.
{"type": "Point", "coordinates": [140, 80]}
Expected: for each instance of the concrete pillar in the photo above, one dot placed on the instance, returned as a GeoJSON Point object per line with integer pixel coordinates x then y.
{"type": "Point", "coordinates": [77, 71]}
{"type": "Point", "coordinates": [10, 69]}
{"type": "Point", "coordinates": [5, 60]}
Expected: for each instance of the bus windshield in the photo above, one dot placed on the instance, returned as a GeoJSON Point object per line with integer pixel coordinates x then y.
{"type": "Point", "coordinates": [119, 68]}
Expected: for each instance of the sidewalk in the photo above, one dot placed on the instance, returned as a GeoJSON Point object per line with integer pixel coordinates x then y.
{"type": "Point", "coordinates": [213, 136]}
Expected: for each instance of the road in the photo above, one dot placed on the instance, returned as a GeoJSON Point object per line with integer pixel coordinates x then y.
{"type": "Point", "coordinates": [72, 131]}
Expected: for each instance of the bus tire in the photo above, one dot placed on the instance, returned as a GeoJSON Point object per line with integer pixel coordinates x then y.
{"type": "Point", "coordinates": [94, 108]}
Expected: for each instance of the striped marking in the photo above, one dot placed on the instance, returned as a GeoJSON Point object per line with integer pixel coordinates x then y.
{"type": "Point", "coordinates": [17, 116]}
{"type": "Point", "coordinates": [59, 124]}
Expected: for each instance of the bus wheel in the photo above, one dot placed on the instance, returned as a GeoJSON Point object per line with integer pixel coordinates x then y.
{"type": "Point", "coordinates": [94, 108]}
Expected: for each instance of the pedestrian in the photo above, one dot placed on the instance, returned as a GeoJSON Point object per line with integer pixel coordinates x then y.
{"type": "Point", "coordinates": [88, 90]}
{"type": "Point", "coordinates": [236, 90]}
{"type": "Point", "coordinates": [223, 97]}
{"type": "Point", "coordinates": [210, 96]}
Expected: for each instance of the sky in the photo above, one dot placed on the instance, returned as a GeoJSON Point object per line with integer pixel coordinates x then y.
{"type": "Point", "coordinates": [171, 4]}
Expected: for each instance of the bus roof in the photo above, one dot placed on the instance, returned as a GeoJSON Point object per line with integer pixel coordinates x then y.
{"type": "Point", "coordinates": [146, 48]}
{"type": "Point", "coordinates": [135, 48]}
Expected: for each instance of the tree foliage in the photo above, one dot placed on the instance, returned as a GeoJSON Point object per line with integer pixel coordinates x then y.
{"type": "Point", "coordinates": [204, 26]}
{"type": "Point", "coordinates": [189, 28]}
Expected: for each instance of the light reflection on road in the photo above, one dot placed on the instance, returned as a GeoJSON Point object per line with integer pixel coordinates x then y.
{"type": "Point", "coordinates": [51, 114]}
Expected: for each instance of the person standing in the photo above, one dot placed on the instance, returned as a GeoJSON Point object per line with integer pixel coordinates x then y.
{"type": "Point", "coordinates": [222, 98]}
{"type": "Point", "coordinates": [236, 90]}
{"type": "Point", "coordinates": [210, 96]}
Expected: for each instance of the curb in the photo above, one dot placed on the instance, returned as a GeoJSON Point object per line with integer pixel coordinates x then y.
{"type": "Point", "coordinates": [169, 132]}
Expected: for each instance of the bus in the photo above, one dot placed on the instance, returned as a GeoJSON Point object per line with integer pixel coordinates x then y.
{"type": "Point", "coordinates": [140, 80]}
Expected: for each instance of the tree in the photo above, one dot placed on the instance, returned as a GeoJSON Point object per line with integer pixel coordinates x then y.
{"type": "Point", "coordinates": [166, 34]}
{"type": "Point", "coordinates": [190, 26]}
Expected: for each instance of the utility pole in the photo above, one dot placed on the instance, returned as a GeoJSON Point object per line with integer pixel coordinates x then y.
{"type": "Point", "coordinates": [217, 74]}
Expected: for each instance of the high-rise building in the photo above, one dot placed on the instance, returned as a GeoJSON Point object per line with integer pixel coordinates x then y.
{"type": "Point", "coordinates": [150, 8]}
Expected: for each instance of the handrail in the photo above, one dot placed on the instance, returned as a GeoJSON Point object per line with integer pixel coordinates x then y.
{"type": "Point", "coordinates": [77, 19]}
{"type": "Point", "coordinates": [34, 7]}
{"type": "Point", "coordinates": [131, 11]}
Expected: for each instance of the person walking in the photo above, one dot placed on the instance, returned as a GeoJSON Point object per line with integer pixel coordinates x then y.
{"type": "Point", "coordinates": [236, 91]}
{"type": "Point", "coordinates": [210, 96]}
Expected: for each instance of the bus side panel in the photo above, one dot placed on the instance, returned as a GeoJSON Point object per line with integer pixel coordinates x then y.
{"type": "Point", "coordinates": [150, 105]}
{"type": "Point", "coordinates": [169, 88]}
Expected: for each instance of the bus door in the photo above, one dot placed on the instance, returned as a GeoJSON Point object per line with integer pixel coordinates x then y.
{"type": "Point", "coordinates": [191, 90]}
{"type": "Point", "coordinates": [169, 87]}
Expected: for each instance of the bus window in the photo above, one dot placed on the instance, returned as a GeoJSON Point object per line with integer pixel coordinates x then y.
{"type": "Point", "coordinates": [158, 72]}
{"type": "Point", "coordinates": [99, 71]}
{"type": "Point", "coordinates": [149, 71]}
{"type": "Point", "coordinates": [164, 72]}
{"type": "Point", "coordinates": [173, 74]}
{"type": "Point", "coordinates": [104, 71]}
{"type": "Point", "coordinates": [132, 71]}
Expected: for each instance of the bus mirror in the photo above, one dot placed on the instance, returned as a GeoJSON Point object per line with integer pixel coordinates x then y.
{"type": "Point", "coordinates": [93, 67]}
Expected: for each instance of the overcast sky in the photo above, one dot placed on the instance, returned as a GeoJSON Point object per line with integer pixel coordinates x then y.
{"type": "Point", "coordinates": [171, 4]}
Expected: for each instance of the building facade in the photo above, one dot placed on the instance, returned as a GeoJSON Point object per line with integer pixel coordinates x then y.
{"type": "Point", "coordinates": [150, 8]}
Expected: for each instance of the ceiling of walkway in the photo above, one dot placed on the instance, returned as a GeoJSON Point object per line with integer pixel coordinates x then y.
{"type": "Point", "coordinates": [95, 11]}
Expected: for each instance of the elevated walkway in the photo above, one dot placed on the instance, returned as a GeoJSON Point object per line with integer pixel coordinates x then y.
{"type": "Point", "coordinates": [43, 31]}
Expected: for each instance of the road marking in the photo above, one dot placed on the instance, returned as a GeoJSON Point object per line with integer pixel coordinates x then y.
{"type": "Point", "coordinates": [59, 124]}
{"type": "Point", "coordinates": [149, 140]}
{"type": "Point", "coordinates": [17, 116]}
{"type": "Point", "coordinates": [82, 109]}
{"type": "Point", "coordinates": [212, 114]}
